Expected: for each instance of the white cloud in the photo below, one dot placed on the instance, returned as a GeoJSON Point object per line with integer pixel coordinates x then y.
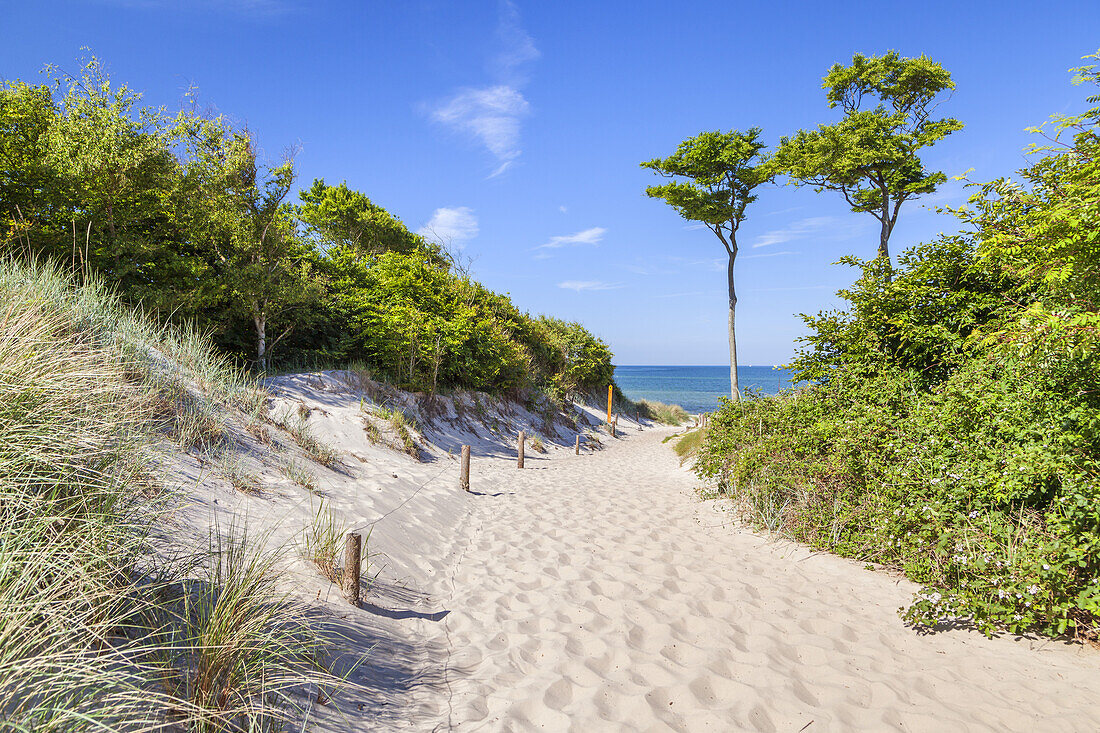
{"type": "Point", "coordinates": [518, 47]}
{"type": "Point", "coordinates": [587, 236]}
{"type": "Point", "coordinates": [797, 230]}
{"type": "Point", "coordinates": [563, 209]}
{"type": "Point", "coordinates": [579, 285]}
{"type": "Point", "coordinates": [492, 114]}
{"type": "Point", "coordinates": [451, 225]}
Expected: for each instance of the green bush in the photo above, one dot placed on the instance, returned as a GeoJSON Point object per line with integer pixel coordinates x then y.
{"type": "Point", "coordinates": [953, 430]}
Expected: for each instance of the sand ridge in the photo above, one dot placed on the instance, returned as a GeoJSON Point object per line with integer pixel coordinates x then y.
{"type": "Point", "coordinates": [597, 593]}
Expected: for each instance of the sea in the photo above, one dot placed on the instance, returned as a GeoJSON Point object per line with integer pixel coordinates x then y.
{"type": "Point", "coordinates": [697, 388]}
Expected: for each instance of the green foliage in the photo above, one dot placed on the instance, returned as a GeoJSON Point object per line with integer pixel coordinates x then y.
{"type": "Point", "coordinates": [341, 217]}
{"type": "Point", "coordinates": [183, 217]}
{"type": "Point", "coordinates": [423, 328]}
{"type": "Point", "coordinates": [323, 541]}
{"type": "Point", "coordinates": [954, 430]}
{"type": "Point", "coordinates": [722, 169]}
{"type": "Point", "coordinates": [871, 155]}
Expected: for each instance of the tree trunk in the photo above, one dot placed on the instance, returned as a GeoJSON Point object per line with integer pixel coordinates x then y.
{"type": "Point", "coordinates": [735, 390]}
{"type": "Point", "coordinates": [884, 239]}
{"type": "Point", "coordinates": [261, 341]}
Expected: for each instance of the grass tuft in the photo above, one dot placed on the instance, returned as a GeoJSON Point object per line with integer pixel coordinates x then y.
{"type": "Point", "coordinates": [662, 413]}
{"type": "Point", "coordinates": [323, 540]}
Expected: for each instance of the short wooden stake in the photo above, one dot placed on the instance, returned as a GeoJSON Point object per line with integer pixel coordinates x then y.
{"type": "Point", "coordinates": [614, 424]}
{"type": "Point", "coordinates": [519, 450]}
{"type": "Point", "coordinates": [578, 448]}
{"type": "Point", "coordinates": [464, 475]}
{"type": "Point", "coordinates": [353, 555]}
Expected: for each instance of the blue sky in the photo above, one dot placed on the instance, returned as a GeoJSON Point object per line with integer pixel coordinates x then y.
{"type": "Point", "coordinates": [515, 130]}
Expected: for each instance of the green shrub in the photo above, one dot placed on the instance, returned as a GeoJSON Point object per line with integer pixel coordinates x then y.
{"type": "Point", "coordinates": [954, 428]}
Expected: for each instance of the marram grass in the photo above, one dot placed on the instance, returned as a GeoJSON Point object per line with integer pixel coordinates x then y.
{"type": "Point", "coordinates": [97, 632]}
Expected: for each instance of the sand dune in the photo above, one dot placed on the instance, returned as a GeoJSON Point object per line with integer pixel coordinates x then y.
{"type": "Point", "coordinates": [596, 592]}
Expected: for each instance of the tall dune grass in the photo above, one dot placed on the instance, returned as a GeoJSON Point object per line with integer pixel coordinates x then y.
{"type": "Point", "coordinates": [88, 630]}
{"type": "Point", "coordinates": [662, 413]}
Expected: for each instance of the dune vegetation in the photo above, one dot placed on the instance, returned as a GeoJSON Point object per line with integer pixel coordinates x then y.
{"type": "Point", "coordinates": [104, 622]}
{"type": "Point", "coordinates": [953, 427]}
{"type": "Point", "coordinates": [186, 219]}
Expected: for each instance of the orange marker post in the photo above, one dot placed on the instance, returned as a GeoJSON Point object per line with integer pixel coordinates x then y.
{"type": "Point", "coordinates": [609, 403]}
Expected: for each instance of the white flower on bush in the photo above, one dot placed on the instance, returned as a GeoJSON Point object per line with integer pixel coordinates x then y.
{"type": "Point", "coordinates": [1032, 589]}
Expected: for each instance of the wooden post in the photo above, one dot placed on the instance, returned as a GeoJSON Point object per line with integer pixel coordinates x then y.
{"type": "Point", "coordinates": [519, 450]}
{"type": "Point", "coordinates": [578, 448]}
{"type": "Point", "coordinates": [614, 424]}
{"type": "Point", "coordinates": [353, 556]}
{"type": "Point", "coordinates": [464, 475]}
{"type": "Point", "coordinates": [609, 403]}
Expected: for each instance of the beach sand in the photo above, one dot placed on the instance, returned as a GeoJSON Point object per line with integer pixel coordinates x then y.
{"type": "Point", "coordinates": [598, 593]}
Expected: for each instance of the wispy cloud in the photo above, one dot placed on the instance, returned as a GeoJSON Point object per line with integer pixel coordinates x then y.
{"type": "Point", "coordinates": [493, 114]}
{"type": "Point", "coordinates": [563, 209]}
{"type": "Point", "coordinates": [451, 225]}
{"type": "Point", "coordinates": [785, 211]}
{"type": "Point", "coordinates": [796, 230]}
{"type": "Point", "coordinates": [591, 236]}
{"type": "Point", "coordinates": [579, 285]}
{"type": "Point", "coordinates": [517, 48]}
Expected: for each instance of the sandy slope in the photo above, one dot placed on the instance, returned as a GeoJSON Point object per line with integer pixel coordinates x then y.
{"type": "Point", "coordinates": [597, 594]}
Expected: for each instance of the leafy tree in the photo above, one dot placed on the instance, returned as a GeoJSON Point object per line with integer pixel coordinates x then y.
{"type": "Point", "coordinates": [871, 155]}
{"type": "Point", "coordinates": [954, 429]}
{"type": "Point", "coordinates": [239, 209]}
{"type": "Point", "coordinates": [722, 169]}
{"type": "Point", "coordinates": [28, 185]}
{"type": "Point", "coordinates": [341, 216]}
{"type": "Point", "coordinates": [114, 165]}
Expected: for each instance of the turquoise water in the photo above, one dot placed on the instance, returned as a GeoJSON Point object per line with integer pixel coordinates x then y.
{"type": "Point", "coordinates": [696, 388]}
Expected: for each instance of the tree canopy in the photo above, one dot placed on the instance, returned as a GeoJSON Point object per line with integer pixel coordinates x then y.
{"type": "Point", "coordinates": [183, 215]}
{"type": "Point", "coordinates": [871, 156]}
{"type": "Point", "coordinates": [720, 171]}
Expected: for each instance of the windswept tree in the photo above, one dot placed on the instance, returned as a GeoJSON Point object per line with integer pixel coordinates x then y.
{"type": "Point", "coordinates": [716, 174]}
{"type": "Point", "coordinates": [871, 156]}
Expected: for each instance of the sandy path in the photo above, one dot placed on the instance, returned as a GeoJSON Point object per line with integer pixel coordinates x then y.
{"type": "Point", "coordinates": [596, 593]}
